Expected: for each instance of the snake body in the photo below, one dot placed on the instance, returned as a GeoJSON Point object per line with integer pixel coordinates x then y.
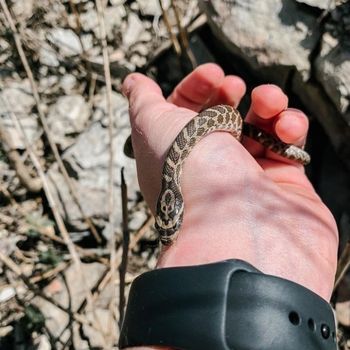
{"type": "Point", "coordinates": [170, 205]}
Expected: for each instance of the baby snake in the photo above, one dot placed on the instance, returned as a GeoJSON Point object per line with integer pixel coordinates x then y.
{"type": "Point", "coordinates": [170, 206]}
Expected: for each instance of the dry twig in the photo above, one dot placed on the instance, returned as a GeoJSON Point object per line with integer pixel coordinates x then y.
{"type": "Point", "coordinates": [184, 42]}
{"type": "Point", "coordinates": [107, 74]}
{"type": "Point", "coordinates": [173, 37]}
{"type": "Point", "coordinates": [193, 26]}
{"type": "Point", "coordinates": [125, 249]}
{"type": "Point", "coordinates": [33, 185]}
{"type": "Point", "coordinates": [10, 264]}
{"type": "Point", "coordinates": [145, 227]}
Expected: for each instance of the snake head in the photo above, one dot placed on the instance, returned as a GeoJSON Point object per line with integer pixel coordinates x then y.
{"type": "Point", "coordinates": [168, 223]}
{"type": "Point", "coordinates": [168, 233]}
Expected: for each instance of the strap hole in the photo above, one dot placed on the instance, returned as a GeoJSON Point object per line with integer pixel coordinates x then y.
{"type": "Point", "coordinates": [325, 331]}
{"type": "Point", "coordinates": [294, 318]}
{"type": "Point", "coordinates": [311, 324]}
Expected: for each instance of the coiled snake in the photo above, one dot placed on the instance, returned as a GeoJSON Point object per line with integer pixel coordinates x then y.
{"type": "Point", "coordinates": [170, 206]}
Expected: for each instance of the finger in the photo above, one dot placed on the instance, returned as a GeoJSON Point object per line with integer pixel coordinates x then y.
{"type": "Point", "coordinates": [267, 102]}
{"type": "Point", "coordinates": [229, 92]}
{"type": "Point", "coordinates": [291, 126]}
{"type": "Point", "coordinates": [145, 98]}
{"type": "Point", "coordinates": [194, 91]}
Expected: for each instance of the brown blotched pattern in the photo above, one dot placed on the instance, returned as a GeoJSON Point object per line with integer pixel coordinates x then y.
{"type": "Point", "coordinates": [170, 206]}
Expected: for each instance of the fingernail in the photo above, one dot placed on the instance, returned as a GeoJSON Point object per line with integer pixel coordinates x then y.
{"type": "Point", "coordinates": [128, 85]}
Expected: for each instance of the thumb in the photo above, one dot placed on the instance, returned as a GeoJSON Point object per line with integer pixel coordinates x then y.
{"type": "Point", "coordinates": [146, 106]}
{"type": "Point", "coordinates": [146, 100]}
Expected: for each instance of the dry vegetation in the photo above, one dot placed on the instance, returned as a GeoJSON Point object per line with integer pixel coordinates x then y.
{"type": "Point", "coordinates": [66, 262]}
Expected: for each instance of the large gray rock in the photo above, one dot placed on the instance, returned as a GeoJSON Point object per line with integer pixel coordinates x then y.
{"type": "Point", "coordinates": [87, 162]}
{"type": "Point", "coordinates": [272, 34]}
{"type": "Point", "coordinates": [318, 105]}
{"type": "Point", "coordinates": [281, 41]}
{"type": "Point", "coordinates": [321, 4]}
{"type": "Point", "coordinates": [333, 72]}
{"type": "Point", "coordinates": [332, 65]}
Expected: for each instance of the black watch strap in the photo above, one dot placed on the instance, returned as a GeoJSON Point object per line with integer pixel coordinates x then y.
{"type": "Point", "coordinates": [222, 306]}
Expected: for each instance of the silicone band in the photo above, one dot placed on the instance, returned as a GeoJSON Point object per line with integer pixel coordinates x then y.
{"type": "Point", "coordinates": [222, 306]}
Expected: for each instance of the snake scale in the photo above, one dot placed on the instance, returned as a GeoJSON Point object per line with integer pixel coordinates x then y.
{"type": "Point", "coordinates": [170, 205]}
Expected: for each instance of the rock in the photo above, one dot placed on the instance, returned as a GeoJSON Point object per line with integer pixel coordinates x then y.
{"type": "Point", "coordinates": [17, 98]}
{"type": "Point", "coordinates": [343, 313]}
{"type": "Point", "coordinates": [333, 72]}
{"type": "Point", "coordinates": [113, 18]}
{"type": "Point", "coordinates": [104, 318]}
{"type": "Point", "coordinates": [68, 83]}
{"type": "Point", "coordinates": [55, 15]}
{"type": "Point", "coordinates": [137, 219]}
{"type": "Point", "coordinates": [7, 293]}
{"type": "Point", "coordinates": [321, 4]}
{"type": "Point", "coordinates": [68, 115]}
{"type": "Point", "coordinates": [88, 42]}
{"type": "Point", "coordinates": [138, 60]}
{"type": "Point", "coordinates": [4, 331]}
{"type": "Point", "coordinates": [48, 55]}
{"type": "Point", "coordinates": [43, 342]}
{"type": "Point", "coordinates": [66, 41]}
{"type": "Point", "coordinates": [150, 7]}
{"type": "Point", "coordinates": [141, 49]}
{"type": "Point", "coordinates": [145, 36]}
{"type": "Point", "coordinates": [117, 2]}
{"type": "Point", "coordinates": [29, 124]}
{"type": "Point", "coordinates": [48, 82]}
{"type": "Point", "coordinates": [57, 320]}
{"type": "Point", "coordinates": [92, 273]}
{"type": "Point", "coordinates": [119, 109]}
{"type": "Point", "coordinates": [89, 20]}
{"type": "Point", "coordinates": [87, 161]}
{"type": "Point", "coordinates": [274, 34]}
{"type": "Point", "coordinates": [22, 9]}
{"type": "Point", "coordinates": [133, 31]}
{"type": "Point", "coordinates": [318, 105]}
{"type": "Point", "coordinates": [279, 40]}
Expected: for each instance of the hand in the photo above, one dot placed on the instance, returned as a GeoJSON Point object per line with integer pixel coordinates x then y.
{"type": "Point", "coordinates": [240, 201]}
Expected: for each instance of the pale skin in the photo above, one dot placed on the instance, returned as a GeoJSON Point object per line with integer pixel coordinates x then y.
{"type": "Point", "coordinates": [241, 202]}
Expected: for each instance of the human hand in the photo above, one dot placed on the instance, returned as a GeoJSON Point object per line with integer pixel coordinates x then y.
{"type": "Point", "coordinates": [241, 201]}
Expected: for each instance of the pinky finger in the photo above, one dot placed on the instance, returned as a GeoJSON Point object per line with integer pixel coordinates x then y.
{"type": "Point", "coordinates": [291, 126]}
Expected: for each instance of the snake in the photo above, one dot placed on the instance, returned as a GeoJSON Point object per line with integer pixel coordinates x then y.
{"type": "Point", "coordinates": [170, 204]}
